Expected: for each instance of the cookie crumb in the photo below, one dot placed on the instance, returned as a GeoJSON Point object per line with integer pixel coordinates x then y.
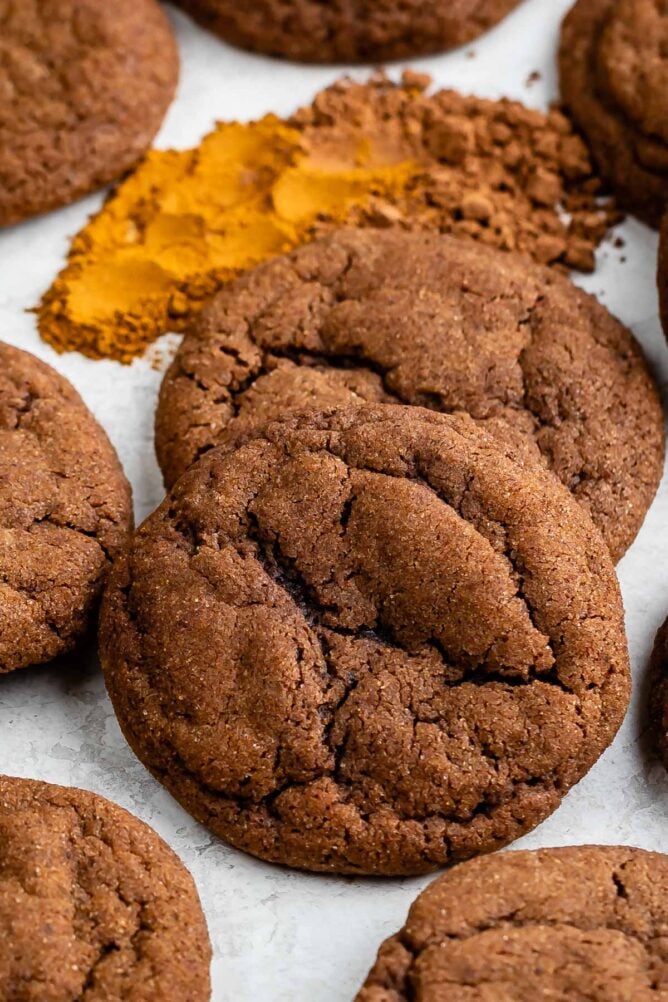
{"type": "Point", "coordinates": [420, 81]}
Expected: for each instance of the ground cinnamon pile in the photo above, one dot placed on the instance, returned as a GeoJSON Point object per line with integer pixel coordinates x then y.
{"type": "Point", "coordinates": [372, 154]}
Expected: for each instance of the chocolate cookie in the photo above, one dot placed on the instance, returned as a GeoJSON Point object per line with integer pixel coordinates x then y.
{"type": "Point", "coordinates": [93, 905]}
{"type": "Point", "coordinates": [662, 274]}
{"type": "Point", "coordinates": [65, 511]}
{"type": "Point", "coordinates": [84, 87]}
{"type": "Point", "coordinates": [613, 64]}
{"type": "Point", "coordinates": [659, 692]}
{"type": "Point", "coordinates": [348, 31]}
{"type": "Point", "coordinates": [367, 641]}
{"type": "Point", "coordinates": [586, 922]}
{"type": "Point", "coordinates": [435, 321]}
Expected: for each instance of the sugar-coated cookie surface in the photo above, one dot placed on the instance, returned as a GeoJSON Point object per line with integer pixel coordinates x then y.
{"type": "Point", "coordinates": [93, 904]}
{"type": "Point", "coordinates": [585, 922]}
{"type": "Point", "coordinates": [435, 321]}
{"type": "Point", "coordinates": [84, 86]}
{"type": "Point", "coordinates": [373, 640]}
{"type": "Point", "coordinates": [65, 511]}
{"type": "Point", "coordinates": [614, 80]}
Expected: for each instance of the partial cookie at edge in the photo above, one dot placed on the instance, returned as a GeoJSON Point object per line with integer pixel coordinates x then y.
{"type": "Point", "coordinates": [662, 274]}
{"type": "Point", "coordinates": [93, 903]}
{"type": "Point", "coordinates": [84, 87]}
{"type": "Point", "coordinates": [361, 31]}
{"type": "Point", "coordinates": [613, 63]}
{"type": "Point", "coordinates": [577, 922]}
{"type": "Point", "coordinates": [658, 692]}
{"type": "Point", "coordinates": [65, 512]}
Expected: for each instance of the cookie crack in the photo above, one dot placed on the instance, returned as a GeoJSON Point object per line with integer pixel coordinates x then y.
{"type": "Point", "coordinates": [355, 359]}
{"type": "Point", "coordinates": [400, 977]}
{"type": "Point", "coordinates": [285, 573]}
{"type": "Point", "coordinates": [89, 984]}
{"type": "Point", "coordinates": [77, 863]}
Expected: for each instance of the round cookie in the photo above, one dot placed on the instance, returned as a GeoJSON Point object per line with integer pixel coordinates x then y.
{"type": "Point", "coordinates": [65, 511]}
{"type": "Point", "coordinates": [366, 641]}
{"type": "Point", "coordinates": [659, 692]}
{"type": "Point", "coordinates": [435, 321]}
{"type": "Point", "coordinates": [84, 87]}
{"type": "Point", "coordinates": [93, 904]}
{"type": "Point", "coordinates": [585, 922]}
{"type": "Point", "coordinates": [662, 274]}
{"type": "Point", "coordinates": [345, 31]}
{"type": "Point", "coordinates": [613, 62]}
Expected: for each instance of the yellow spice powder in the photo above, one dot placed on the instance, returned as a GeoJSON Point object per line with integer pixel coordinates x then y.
{"type": "Point", "coordinates": [365, 154]}
{"type": "Point", "coordinates": [185, 222]}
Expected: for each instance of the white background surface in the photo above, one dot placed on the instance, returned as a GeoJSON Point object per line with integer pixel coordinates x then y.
{"type": "Point", "coordinates": [278, 935]}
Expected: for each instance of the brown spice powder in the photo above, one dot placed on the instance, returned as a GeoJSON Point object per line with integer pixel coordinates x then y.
{"type": "Point", "coordinates": [365, 154]}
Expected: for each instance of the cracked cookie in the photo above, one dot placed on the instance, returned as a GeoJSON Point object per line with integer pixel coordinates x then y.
{"type": "Point", "coordinates": [662, 274]}
{"type": "Point", "coordinates": [65, 511]}
{"type": "Point", "coordinates": [435, 321]}
{"type": "Point", "coordinates": [93, 904]}
{"type": "Point", "coordinates": [84, 87]}
{"type": "Point", "coordinates": [584, 922]}
{"type": "Point", "coordinates": [341, 31]}
{"type": "Point", "coordinates": [372, 640]}
{"type": "Point", "coordinates": [613, 62]}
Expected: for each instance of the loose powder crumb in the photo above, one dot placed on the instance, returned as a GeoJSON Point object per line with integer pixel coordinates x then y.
{"type": "Point", "coordinates": [366, 154]}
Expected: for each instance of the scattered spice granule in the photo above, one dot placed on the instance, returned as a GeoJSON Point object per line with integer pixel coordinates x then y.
{"type": "Point", "coordinates": [363, 154]}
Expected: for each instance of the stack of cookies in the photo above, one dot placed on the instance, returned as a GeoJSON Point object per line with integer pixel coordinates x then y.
{"type": "Point", "coordinates": [375, 627]}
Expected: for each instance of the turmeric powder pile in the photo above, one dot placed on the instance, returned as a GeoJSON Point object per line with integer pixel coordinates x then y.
{"type": "Point", "coordinates": [372, 154]}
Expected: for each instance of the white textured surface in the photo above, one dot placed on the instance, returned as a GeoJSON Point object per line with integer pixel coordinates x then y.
{"type": "Point", "coordinates": [277, 935]}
